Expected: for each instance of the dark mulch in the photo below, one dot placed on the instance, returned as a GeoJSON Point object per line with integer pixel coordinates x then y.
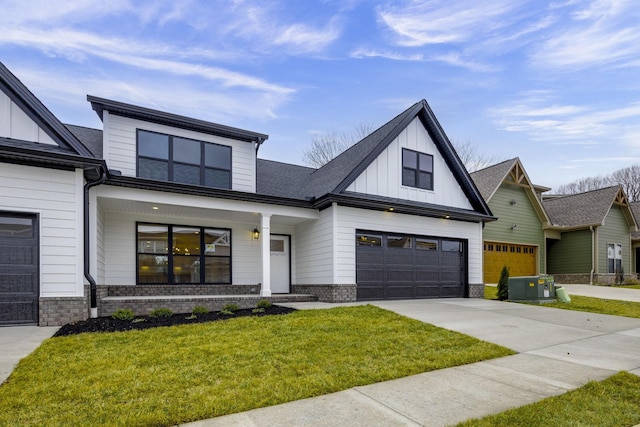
{"type": "Point", "coordinates": [109, 324]}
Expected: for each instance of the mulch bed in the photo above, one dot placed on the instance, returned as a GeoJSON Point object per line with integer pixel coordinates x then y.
{"type": "Point", "coordinates": [109, 324]}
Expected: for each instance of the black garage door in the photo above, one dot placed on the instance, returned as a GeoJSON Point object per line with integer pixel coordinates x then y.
{"type": "Point", "coordinates": [396, 266]}
{"type": "Point", "coordinates": [18, 269]}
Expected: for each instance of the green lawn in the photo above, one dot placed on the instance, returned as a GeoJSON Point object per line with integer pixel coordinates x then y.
{"type": "Point", "coordinates": [166, 376]}
{"type": "Point", "coordinates": [613, 402]}
{"type": "Point", "coordinates": [580, 303]}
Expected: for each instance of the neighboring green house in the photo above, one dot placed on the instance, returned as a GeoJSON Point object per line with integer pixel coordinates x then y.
{"type": "Point", "coordinates": [591, 237]}
{"type": "Point", "coordinates": [517, 238]}
{"type": "Point", "coordinates": [635, 240]}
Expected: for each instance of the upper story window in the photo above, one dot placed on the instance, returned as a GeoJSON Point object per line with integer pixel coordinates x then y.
{"type": "Point", "coordinates": [417, 169]}
{"type": "Point", "coordinates": [172, 158]}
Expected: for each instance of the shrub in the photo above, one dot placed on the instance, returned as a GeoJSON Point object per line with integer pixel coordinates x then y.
{"type": "Point", "coordinates": [503, 284]}
{"type": "Point", "coordinates": [264, 304]}
{"type": "Point", "coordinates": [198, 309]}
{"type": "Point", "coordinates": [230, 307]}
{"type": "Point", "coordinates": [258, 310]}
{"type": "Point", "coordinates": [161, 312]}
{"type": "Point", "coordinates": [123, 314]}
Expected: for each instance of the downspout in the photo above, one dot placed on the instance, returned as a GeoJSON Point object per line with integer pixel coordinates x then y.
{"type": "Point", "coordinates": [593, 253]}
{"type": "Point", "coordinates": [87, 258]}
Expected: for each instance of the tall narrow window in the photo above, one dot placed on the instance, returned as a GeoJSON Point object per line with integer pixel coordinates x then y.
{"type": "Point", "coordinates": [171, 158]}
{"type": "Point", "coordinates": [417, 169]}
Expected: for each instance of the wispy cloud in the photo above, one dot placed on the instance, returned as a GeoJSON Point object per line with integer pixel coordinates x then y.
{"type": "Point", "coordinates": [458, 59]}
{"type": "Point", "coordinates": [396, 56]}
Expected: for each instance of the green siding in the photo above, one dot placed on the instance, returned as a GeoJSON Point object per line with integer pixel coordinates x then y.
{"type": "Point", "coordinates": [614, 230]}
{"type": "Point", "coordinates": [522, 213]}
{"type": "Point", "coordinates": [571, 254]}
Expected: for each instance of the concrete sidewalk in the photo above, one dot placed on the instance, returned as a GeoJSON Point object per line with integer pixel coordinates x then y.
{"type": "Point", "coordinates": [604, 292]}
{"type": "Point", "coordinates": [17, 342]}
{"type": "Point", "coordinates": [559, 350]}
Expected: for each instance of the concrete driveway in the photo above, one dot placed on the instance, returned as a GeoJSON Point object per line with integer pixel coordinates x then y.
{"type": "Point", "coordinates": [558, 350]}
{"type": "Point", "coordinates": [17, 342]}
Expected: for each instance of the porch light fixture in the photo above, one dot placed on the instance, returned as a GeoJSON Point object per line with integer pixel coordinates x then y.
{"type": "Point", "coordinates": [256, 234]}
{"type": "Point", "coordinates": [513, 227]}
{"type": "Point", "coordinates": [155, 208]}
{"type": "Point", "coordinates": [513, 202]}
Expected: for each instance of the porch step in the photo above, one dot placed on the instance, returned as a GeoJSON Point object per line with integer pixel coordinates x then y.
{"type": "Point", "coordinates": [143, 305]}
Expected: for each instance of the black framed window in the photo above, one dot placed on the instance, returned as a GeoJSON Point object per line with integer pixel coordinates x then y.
{"type": "Point", "coordinates": [417, 169]}
{"type": "Point", "coordinates": [189, 161]}
{"type": "Point", "coordinates": [173, 254]}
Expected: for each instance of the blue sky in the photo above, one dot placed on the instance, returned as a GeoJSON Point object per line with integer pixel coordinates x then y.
{"type": "Point", "coordinates": [555, 83]}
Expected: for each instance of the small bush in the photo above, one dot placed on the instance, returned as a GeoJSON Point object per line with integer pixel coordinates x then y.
{"type": "Point", "coordinates": [161, 312]}
{"type": "Point", "coordinates": [198, 309]}
{"type": "Point", "coordinates": [123, 314]}
{"type": "Point", "coordinates": [258, 310]}
{"type": "Point", "coordinates": [138, 320]}
{"type": "Point", "coordinates": [503, 284]}
{"type": "Point", "coordinates": [191, 317]}
{"type": "Point", "coordinates": [230, 307]}
{"type": "Point", "coordinates": [227, 312]}
{"type": "Point", "coordinates": [264, 304]}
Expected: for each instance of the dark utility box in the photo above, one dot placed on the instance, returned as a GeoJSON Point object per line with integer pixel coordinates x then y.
{"type": "Point", "coordinates": [532, 289]}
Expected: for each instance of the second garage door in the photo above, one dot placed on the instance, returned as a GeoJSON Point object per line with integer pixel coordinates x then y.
{"type": "Point", "coordinates": [396, 266]}
{"type": "Point", "coordinates": [519, 259]}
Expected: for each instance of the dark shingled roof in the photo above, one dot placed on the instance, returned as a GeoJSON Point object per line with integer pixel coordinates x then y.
{"type": "Point", "coordinates": [90, 138]}
{"type": "Point", "coordinates": [489, 179]}
{"type": "Point", "coordinates": [281, 179]}
{"type": "Point", "coordinates": [635, 209]}
{"type": "Point", "coordinates": [584, 209]}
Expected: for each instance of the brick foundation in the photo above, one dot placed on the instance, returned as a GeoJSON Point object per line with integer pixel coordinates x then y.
{"type": "Point", "coordinates": [328, 293]}
{"type": "Point", "coordinates": [58, 311]}
{"type": "Point", "coordinates": [577, 279]}
{"type": "Point", "coordinates": [476, 290]}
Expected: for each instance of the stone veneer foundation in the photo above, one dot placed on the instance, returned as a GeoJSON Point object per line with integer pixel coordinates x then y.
{"type": "Point", "coordinates": [328, 293]}
{"type": "Point", "coordinates": [58, 311]}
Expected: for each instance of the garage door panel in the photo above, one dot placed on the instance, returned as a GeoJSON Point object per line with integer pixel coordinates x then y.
{"type": "Point", "coordinates": [521, 260]}
{"type": "Point", "coordinates": [427, 291]}
{"type": "Point", "coordinates": [398, 292]}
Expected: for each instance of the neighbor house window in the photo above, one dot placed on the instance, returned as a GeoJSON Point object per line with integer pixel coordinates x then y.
{"type": "Point", "coordinates": [173, 254]}
{"type": "Point", "coordinates": [417, 169]}
{"type": "Point", "coordinates": [614, 257]}
{"type": "Point", "coordinates": [171, 158]}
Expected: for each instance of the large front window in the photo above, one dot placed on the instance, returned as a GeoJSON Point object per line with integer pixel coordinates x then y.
{"type": "Point", "coordinates": [171, 158]}
{"type": "Point", "coordinates": [614, 258]}
{"type": "Point", "coordinates": [172, 254]}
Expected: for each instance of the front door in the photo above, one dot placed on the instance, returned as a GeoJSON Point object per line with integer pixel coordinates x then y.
{"type": "Point", "coordinates": [280, 268]}
{"type": "Point", "coordinates": [18, 268]}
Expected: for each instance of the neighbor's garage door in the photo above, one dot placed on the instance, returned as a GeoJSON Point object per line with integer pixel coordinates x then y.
{"type": "Point", "coordinates": [393, 266]}
{"type": "Point", "coordinates": [519, 259]}
{"type": "Point", "coordinates": [18, 269]}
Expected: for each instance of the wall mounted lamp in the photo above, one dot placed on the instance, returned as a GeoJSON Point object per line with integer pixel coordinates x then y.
{"type": "Point", "coordinates": [256, 234]}
{"type": "Point", "coordinates": [513, 202]}
{"type": "Point", "coordinates": [513, 227]}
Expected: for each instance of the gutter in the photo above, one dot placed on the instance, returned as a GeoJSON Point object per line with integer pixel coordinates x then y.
{"type": "Point", "coordinates": [593, 253]}
{"type": "Point", "coordinates": [87, 258]}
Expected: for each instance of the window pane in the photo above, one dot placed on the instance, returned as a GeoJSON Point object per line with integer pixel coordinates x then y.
{"type": "Point", "coordinates": [409, 177]}
{"type": "Point", "coordinates": [217, 156]}
{"type": "Point", "coordinates": [153, 239]}
{"type": "Point", "coordinates": [449, 246]}
{"type": "Point", "coordinates": [277, 246]}
{"type": "Point", "coordinates": [153, 269]}
{"type": "Point", "coordinates": [186, 150]}
{"type": "Point", "coordinates": [186, 174]}
{"type": "Point", "coordinates": [368, 240]}
{"type": "Point", "coordinates": [217, 178]}
{"type": "Point", "coordinates": [217, 270]}
{"type": "Point", "coordinates": [186, 269]}
{"type": "Point", "coordinates": [399, 242]}
{"type": "Point", "coordinates": [426, 162]}
{"type": "Point", "coordinates": [409, 159]}
{"type": "Point", "coordinates": [429, 245]}
{"type": "Point", "coordinates": [153, 145]}
{"type": "Point", "coordinates": [217, 242]}
{"type": "Point", "coordinates": [153, 169]}
{"type": "Point", "coordinates": [15, 227]}
{"type": "Point", "coordinates": [425, 180]}
{"type": "Point", "coordinates": [186, 241]}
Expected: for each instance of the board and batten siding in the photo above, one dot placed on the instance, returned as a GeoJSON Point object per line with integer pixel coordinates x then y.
{"type": "Point", "coordinates": [351, 219]}
{"type": "Point", "coordinates": [120, 148]}
{"type": "Point", "coordinates": [528, 230]}
{"type": "Point", "coordinates": [571, 254]}
{"type": "Point", "coordinates": [383, 177]}
{"type": "Point", "coordinates": [314, 248]}
{"type": "Point", "coordinates": [15, 123]}
{"type": "Point", "coordinates": [56, 196]}
{"type": "Point", "coordinates": [615, 230]}
{"type": "Point", "coordinates": [99, 244]}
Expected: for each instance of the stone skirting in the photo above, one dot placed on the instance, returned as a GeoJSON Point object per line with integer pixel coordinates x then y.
{"type": "Point", "coordinates": [577, 279]}
{"type": "Point", "coordinates": [476, 290]}
{"type": "Point", "coordinates": [168, 290]}
{"type": "Point", "coordinates": [58, 311]}
{"type": "Point", "coordinates": [328, 293]}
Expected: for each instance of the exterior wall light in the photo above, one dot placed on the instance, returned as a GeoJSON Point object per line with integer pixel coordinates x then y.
{"type": "Point", "coordinates": [513, 202]}
{"type": "Point", "coordinates": [256, 234]}
{"type": "Point", "coordinates": [513, 227]}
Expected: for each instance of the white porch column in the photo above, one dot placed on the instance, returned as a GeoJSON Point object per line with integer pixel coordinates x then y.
{"type": "Point", "coordinates": [265, 237]}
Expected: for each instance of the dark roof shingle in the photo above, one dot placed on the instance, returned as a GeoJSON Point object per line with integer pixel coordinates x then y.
{"type": "Point", "coordinates": [489, 179]}
{"type": "Point", "coordinates": [582, 209]}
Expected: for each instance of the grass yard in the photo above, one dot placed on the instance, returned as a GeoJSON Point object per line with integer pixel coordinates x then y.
{"type": "Point", "coordinates": [166, 376]}
{"type": "Point", "coordinates": [613, 402]}
{"type": "Point", "coordinates": [580, 303]}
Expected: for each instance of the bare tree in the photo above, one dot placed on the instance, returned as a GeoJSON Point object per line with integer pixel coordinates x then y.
{"type": "Point", "coordinates": [327, 146]}
{"type": "Point", "coordinates": [628, 178]}
{"type": "Point", "coordinates": [471, 157]}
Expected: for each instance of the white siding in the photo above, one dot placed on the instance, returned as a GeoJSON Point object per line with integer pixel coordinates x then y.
{"type": "Point", "coordinates": [383, 177]}
{"type": "Point", "coordinates": [350, 219]}
{"type": "Point", "coordinates": [56, 196]}
{"type": "Point", "coordinates": [314, 250]}
{"type": "Point", "coordinates": [120, 149]}
{"type": "Point", "coordinates": [15, 123]}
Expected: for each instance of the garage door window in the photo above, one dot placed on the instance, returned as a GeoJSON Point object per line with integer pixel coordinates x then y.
{"type": "Point", "coordinates": [368, 240]}
{"type": "Point", "coordinates": [16, 227]}
{"type": "Point", "coordinates": [426, 244]}
{"type": "Point", "coordinates": [449, 246]}
{"type": "Point", "coordinates": [399, 242]}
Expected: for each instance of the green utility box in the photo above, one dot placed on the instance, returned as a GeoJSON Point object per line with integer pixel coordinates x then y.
{"type": "Point", "coordinates": [532, 289]}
